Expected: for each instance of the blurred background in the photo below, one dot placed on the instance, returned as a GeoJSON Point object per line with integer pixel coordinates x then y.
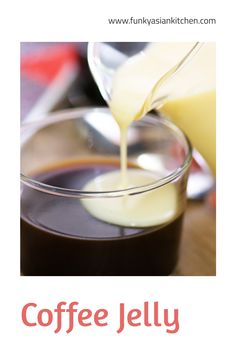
{"type": "Point", "coordinates": [55, 76]}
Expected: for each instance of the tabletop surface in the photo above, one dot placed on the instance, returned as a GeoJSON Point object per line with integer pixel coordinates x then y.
{"type": "Point", "coordinates": [198, 246]}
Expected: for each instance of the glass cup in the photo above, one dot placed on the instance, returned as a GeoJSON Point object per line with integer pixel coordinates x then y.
{"type": "Point", "coordinates": [59, 155]}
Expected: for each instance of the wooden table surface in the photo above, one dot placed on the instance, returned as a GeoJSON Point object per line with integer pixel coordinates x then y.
{"type": "Point", "coordinates": [198, 246]}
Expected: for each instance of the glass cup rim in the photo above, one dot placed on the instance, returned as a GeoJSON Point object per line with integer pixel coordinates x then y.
{"type": "Point", "coordinates": [77, 113]}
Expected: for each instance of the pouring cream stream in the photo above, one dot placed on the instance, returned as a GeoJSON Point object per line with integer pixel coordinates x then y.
{"type": "Point", "coordinates": [131, 100]}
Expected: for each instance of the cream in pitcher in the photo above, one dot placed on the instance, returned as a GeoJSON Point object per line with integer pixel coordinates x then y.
{"type": "Point", "coordinates": [187, 97]}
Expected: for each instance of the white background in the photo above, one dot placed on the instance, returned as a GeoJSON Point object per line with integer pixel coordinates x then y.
{"type": "Point", "coordinates": [206, 304]}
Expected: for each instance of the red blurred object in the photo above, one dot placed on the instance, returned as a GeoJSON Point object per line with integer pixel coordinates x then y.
{"type": "Point", "coordinates": [211, 199]}
{"type": "Point", "coordinates": [195, 166]}
{"type": "Point", "coordinates": [44, 65]}
{"type": "Point", "coordinates": [47, 72]}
